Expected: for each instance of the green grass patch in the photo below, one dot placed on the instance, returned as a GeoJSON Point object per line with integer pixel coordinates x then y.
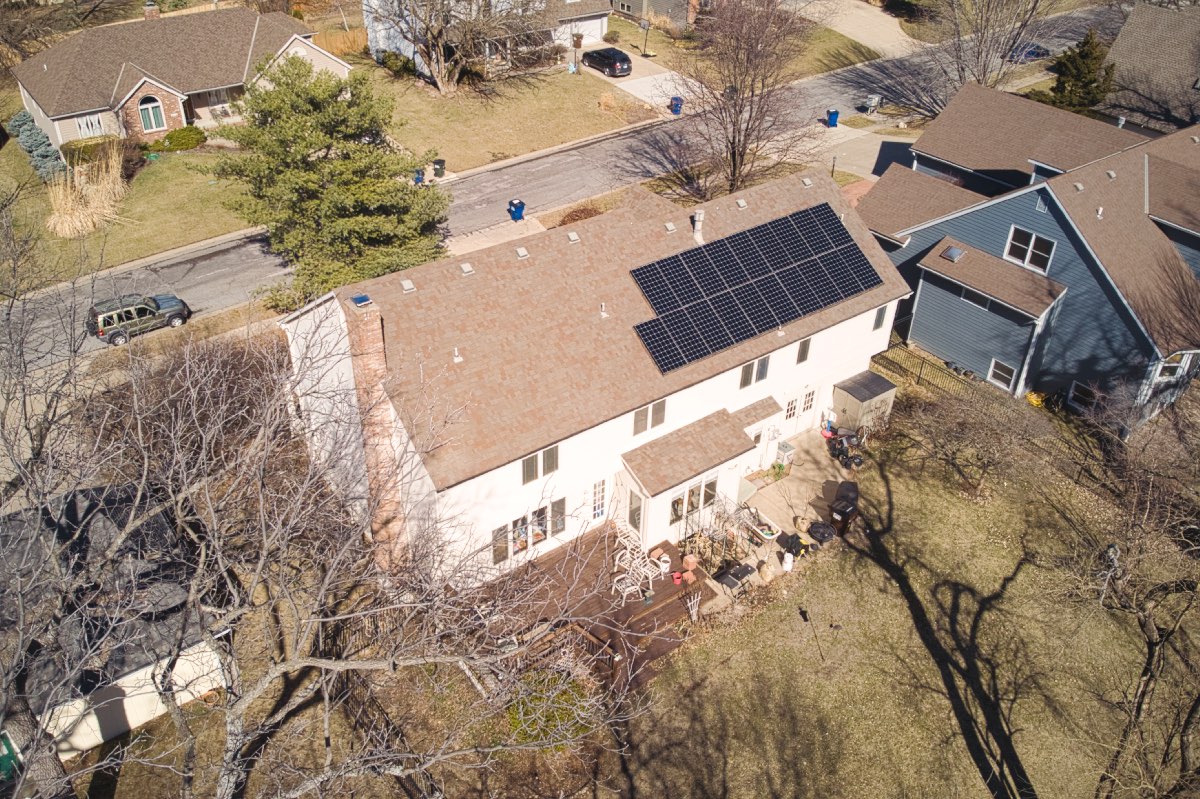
{"type": "Point", "coordinates": [845, 178]}
{"type": "Point", "coordinates": [655, 41]}
{"type": "Point", "coordinates": [827, 50]}
{"type": "Point", "coordinates": [522, 116]}
{"type": "Point", "coordinates": [1042, 85]}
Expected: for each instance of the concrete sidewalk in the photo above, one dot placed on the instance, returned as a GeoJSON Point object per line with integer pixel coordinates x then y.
{"type": "Point", "coordinates": [865, 24]}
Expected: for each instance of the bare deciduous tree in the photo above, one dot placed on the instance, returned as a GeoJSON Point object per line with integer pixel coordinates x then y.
{"type": "Point", "coordinates": [735, 85]}
{"type": "Point", "coordinates": [981, 35]}
{"type": "Point", "coordinates": [27, 26]}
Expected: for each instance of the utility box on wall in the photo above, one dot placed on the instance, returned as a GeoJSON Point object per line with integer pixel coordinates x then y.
{"type": "Point", "coordinates": [864, 400]}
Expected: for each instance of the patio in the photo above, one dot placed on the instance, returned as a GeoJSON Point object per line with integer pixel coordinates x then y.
{"type": "Point", "coordinates": [804, 493]}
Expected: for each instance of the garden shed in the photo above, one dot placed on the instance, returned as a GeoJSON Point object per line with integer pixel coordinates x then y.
{"type": "Point", "coordinates": [864, 400]}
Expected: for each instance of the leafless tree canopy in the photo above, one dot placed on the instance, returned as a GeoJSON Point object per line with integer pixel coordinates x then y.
{"type": "Point", "coordinates": [734, 87]}
{"type": "Point", "coordinates": [982, 33]}
{"type": "Point", "coordinates": [451, 37]}
{"type": "Point", "coordinates": [27, 26]}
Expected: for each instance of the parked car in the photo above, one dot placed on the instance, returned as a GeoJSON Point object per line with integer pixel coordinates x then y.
{"type": "Point", "coordinates": [1027, 52]}
{"type": "Point", "coordinates": [117, 320]}
{"type": "Point", "coordinates": [612, 62]}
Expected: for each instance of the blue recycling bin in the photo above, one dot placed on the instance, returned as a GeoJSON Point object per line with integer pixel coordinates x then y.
{"type": "Point", "coordinates": [676, 105]}
{"type": "Point", "coordinates": [419, 176]}
{"type": "Point", "coordinates": [516, 210]}
{"type": "Point", "coordinates": [832, 117]}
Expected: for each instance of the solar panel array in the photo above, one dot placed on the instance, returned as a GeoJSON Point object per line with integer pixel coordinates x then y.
{"type": "Point", "coordinates": [722, 293]}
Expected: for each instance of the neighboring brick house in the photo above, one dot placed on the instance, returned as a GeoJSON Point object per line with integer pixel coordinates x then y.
{"type": "Point", "coordinates": [1156, 60]}
{"type": "Point", "coordinates": [632, 368]}
{"type": "Point", "coordinates": [1066, 268]}
{"type": "Point", "coordinates": [141, 80]}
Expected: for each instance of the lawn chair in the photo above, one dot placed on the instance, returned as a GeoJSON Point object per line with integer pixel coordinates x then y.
{"type": "Point", "coordinates": [626, 586]}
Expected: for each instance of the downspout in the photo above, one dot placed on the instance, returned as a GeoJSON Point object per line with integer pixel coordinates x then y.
{"type": "Point", "coordinates": [1146, 184]}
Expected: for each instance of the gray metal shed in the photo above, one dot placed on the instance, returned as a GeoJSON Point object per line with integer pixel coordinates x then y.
{"type": "Point", "coordinates": [864, 400]}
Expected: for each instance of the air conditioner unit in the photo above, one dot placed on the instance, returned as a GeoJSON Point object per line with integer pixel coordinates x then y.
{"type": "Point", "coordinates": [784, 452]}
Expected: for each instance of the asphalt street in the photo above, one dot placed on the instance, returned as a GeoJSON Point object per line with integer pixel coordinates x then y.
{"type": "Point", "coordinates": [218, 279]}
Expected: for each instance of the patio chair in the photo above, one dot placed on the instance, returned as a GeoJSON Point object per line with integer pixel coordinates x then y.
{"type": "Point", "coordinates": [625, 585]}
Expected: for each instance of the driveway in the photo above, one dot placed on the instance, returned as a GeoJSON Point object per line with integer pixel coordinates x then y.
{"type": "Point", "coordinates": [865, 24]}
{"type": "Point", "coordinates": [650, 81]}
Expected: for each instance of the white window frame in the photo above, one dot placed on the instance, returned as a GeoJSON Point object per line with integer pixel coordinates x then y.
{"type": "Point", "coordinates": [546, 459]}
{"type": "Point", "coordinates": [636, 510]}
{"type": "Point", "coordinates": [703, 491]}
{"type": "Point", "coordinates": [649, 417]}
{"type": "Point", "coordinates": [145, 109]}
{"type": "Point", "coordinates": [992, 371]}
{"type": "Point", "coordinates": [500, 554]}
{"type": "Point", "coordinates": [986, 303]}
{"type": "Point", "coordinates": [880, 318]}
{"type": "Point", "coordinates": [90, 126]}
{"type": "Point", "coordinates": [809, 397]}
{"type": "Point", "coordinates": [598, 497]}
{"type": "Point", "coordinates": [1029, 253]}
{"type": "Point", "coordinates": [803, 350]}
{"type": "Point", "coordinates": [790, 412]}
{"type": "Point", "coordinates": [754, 371]}
{"type": "Point", "coordinates": [1081, 406]}
{"type": "Point", "coordinates": [1177, 368]}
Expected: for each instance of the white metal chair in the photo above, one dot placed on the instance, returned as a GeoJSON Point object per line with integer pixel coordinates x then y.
{"type": "Point", "coordinates": [626, 585]}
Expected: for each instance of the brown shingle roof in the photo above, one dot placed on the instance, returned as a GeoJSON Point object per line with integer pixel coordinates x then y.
{"type": "Point", "coordinates": [539, 364]}
{"type": "Point", "coordinates": [679, 456]}
{"type": "Point", "coordinates": [1175, 180]}
{"type": "Point", "coordinates": [1015, 286]}
{"type": "Point", "coordinates": [997, 134]}
{"type": "Point", "coordinates": [1144, 265]}
{"type": "Point", "coordinates": [1157, 59]}
{"type": "Point", "coordinates": [755, 412]}
{"type": "Point", "coordinates": [564, 10]}
{"type": "Point", "coordinates": [904, 197]}
{"type": "Point", "coordinates": [188, 53]}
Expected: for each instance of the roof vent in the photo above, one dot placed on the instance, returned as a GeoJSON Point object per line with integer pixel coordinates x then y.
{"type": "Point", "coordinates": [573, 237]}
{"type": "Point", "coordinates": [670, 226]}
{"type": "Point", "coordinates": [1078, 186]}
{"type": "Point", "coordinates": [1196, 140]}
{"type": "Point", "coordinates": [1111, 175]}
{"type": "Point", "coordinates": [953, 254]}
{"type": "Point", "coordinates": [522, 252]}
{"type": "Point", "coordinates": [741, 203]}
{"type": "Point", "coordinates": [408, 286]}
{"type": "Point", "coordinates": [457, 358]}
{"type": "Point", "coordinates": [603, 312]}
{"type": "Point", "coordinates": [360, 300]}
{"type": "Point", "coordinates": [1100, 212]}
{"type": "Point", "coordinates": [806, 183]}
{"type": "Point", "coordinates": [467, 269]}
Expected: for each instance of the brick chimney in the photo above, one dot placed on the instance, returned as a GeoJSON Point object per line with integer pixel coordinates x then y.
{"type": "Point", "coordinates": [369, 357]}
{"type": "Point", "coordinates": [150, 10]}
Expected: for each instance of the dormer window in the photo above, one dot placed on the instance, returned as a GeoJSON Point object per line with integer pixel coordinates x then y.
{"type": "Point", "coordinates": [1029, 249]}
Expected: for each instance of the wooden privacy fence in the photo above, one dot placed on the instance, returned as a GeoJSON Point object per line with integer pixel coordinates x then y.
{"type": "Point", "coordinates": [342, 43]}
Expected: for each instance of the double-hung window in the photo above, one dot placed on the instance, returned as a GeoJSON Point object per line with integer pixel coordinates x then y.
{"type": "Point", "coordinates": [880, 317]}
{"type": "Point", "coordinates": [1029, 249]}
{"type": "Point", "coordinates": [802, 353]}
{"type": "Point", "coordinates": [755, 371]}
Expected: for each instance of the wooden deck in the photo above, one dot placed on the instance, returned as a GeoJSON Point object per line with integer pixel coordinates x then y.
{"type": "Point", "coordinates": [580, 576]}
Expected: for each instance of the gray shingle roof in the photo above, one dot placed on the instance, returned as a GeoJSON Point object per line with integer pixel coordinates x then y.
{"type": "Point", "coordinates": [94, 68]}
{"type": "Point", "coordinates": [539, 363]}
{"type": "Point", "coordinates": [997, 134]}
{"type": "Point", "coordinates": [1157, 59]}
{"type": "Point", "coordinates": [688, 452]}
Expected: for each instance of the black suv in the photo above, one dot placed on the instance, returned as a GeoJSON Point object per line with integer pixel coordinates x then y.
{"type": "Point", "coordinates": [611, 61]}
{"type": "Point", "coordinates": [115, 321]}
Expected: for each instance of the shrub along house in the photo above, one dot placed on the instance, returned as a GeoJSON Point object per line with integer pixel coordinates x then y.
{"type": "Point", "coordinates": [141, 80]}
{"type": "Point", "coordinates": [632, 368]}
{"type": "Point", "coordinates": [1071, 274]}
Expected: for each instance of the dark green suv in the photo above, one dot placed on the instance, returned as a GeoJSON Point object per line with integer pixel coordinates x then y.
{"type": "Point", "coordinates": [115, 321]}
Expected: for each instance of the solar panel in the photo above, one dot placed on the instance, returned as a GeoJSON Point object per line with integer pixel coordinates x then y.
{"type": "Point", "coordinates": [725, 292]}
{"type": "Point", "coordinates": [664, 352]}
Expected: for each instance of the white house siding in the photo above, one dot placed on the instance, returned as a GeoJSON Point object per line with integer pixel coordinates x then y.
{"type": "Point", "coordinates": [129, 702]}
{"type": "Point", "coordinates": [39, 117]}
{"type": "Point", "coordinates": [326, 404]}
{"type": "Point", "coordinates": [498, 497]}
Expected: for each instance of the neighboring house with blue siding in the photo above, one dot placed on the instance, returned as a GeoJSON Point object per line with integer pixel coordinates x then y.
{"type": "Point", "coordinates": [1083, 282]}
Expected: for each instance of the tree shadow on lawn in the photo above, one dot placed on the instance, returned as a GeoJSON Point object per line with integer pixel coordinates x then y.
{"type": "Point", "coordinates": [755, 737]}
{"type": "Point", "coordinates": [984, 670]}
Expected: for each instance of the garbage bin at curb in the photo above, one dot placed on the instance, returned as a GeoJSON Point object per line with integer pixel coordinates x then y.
{"type": "Point", "coordinates": [439, 167]}
{"type": "Point", "coordinates": [419, 176]}
{"type": "Point", "coordinates": [831, 117]}
{"type": "Point", "coordinates": [676, 105]}
{"type": "Point", "coordinates": [516, 210]}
